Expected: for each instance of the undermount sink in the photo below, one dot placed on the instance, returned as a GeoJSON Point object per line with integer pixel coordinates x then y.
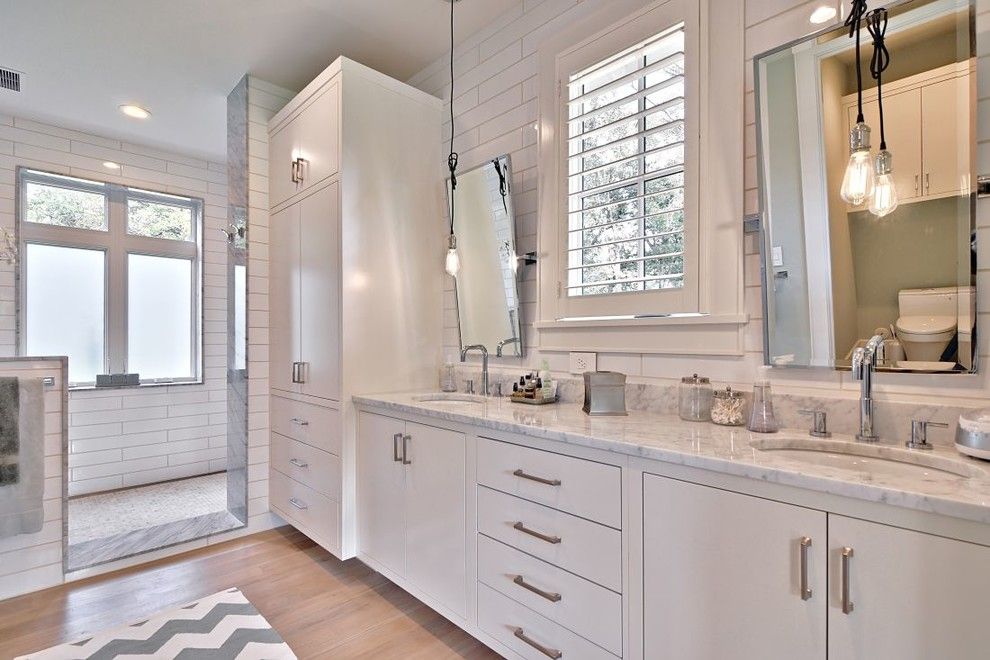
{"type": "Point", "coordinates": [875, 460]}
{"type": "Point", "coordinates": [450, 397]}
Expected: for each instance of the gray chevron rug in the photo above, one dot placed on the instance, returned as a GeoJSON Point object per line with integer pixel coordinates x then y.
{"type": "Point", "coordinates": [218, 627]}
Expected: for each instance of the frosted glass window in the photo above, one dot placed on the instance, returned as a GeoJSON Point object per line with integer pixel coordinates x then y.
{"type": "Point", "coordinates": [66, 307]}
{"type": "Point", "coordinates": [159, 317]}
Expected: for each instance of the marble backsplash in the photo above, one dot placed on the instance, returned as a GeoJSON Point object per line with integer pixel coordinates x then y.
{"type": "Point", "coordinates": [892, 419]}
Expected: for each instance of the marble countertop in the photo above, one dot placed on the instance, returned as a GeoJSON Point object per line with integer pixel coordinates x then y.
{"type": "Point", "coordinates": [947, 483]}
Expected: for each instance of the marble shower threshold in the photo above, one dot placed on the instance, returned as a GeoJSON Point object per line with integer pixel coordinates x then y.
{"type": "Point", "coordinates": [91, 553]}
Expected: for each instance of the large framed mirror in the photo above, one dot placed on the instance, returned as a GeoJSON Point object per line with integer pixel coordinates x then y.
{"type": "Point", "coordinates": [838, 273]}
{"type": "Point", "coordinates": [486, 287]}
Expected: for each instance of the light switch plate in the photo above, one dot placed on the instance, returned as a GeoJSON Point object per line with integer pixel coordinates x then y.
{"type": "Point", "coordinates": [581, 362]}
{"type": "Point", "coordinates": [777, 256]}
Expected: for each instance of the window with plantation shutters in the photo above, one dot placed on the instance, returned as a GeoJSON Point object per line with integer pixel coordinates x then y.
{"type": "Point", "coordinates": [626, 170]}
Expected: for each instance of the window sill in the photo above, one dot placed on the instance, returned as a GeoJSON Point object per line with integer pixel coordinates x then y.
{"type": "Point", "coordinates": [142, 386]}
{"type": "Point", "coordinates": [708, 335]}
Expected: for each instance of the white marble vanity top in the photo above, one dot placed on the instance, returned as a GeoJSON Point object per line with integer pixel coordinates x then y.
{"type": "Point", "coordinates": [946, 483]}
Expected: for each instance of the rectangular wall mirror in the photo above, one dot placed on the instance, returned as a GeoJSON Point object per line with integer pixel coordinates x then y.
{"type": "Point", "coordinates": [486, 287]}
{"type": "Point", "coordinates": [837, 274]}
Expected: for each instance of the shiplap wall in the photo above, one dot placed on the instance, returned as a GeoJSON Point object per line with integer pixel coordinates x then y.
{"type": "Point", "coordinates": [34, 561]}
{"type": "Point", "coordinates": [123, 438]}
{"type": "Point", "coordinates": [496, 110]}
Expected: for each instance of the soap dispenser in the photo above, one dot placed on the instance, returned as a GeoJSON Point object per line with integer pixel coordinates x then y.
{"type": "Point", "coordinates": [761, 417]}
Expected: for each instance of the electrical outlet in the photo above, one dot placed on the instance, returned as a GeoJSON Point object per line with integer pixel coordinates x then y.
{"type": "Point", "coordinates": [581, 362]}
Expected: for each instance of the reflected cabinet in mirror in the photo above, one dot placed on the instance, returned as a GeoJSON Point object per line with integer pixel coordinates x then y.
{"type": "Point", "coordinates": [486, 290]}
{"type": "Point", "coordinates": [857, 243]}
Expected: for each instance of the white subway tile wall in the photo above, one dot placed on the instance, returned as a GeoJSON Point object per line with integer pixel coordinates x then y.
{"type": "Point", "coordinates": [120, 438]}
{"type": "Point", "coordinates": [496, 111]}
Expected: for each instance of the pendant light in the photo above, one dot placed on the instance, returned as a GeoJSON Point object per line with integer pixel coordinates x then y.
{"type": "Point", "coordinates": [452, 263]}
{"type": "Point", "coordinates": [858, 182]}
{"type": "Point", "coordinates": [884, 198]}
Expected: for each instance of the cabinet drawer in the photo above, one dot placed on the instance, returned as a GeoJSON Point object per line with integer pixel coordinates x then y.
{"type": "Point", "coordinates": [314, 425]}
{"type": "Point", "coordinates": [315, 514]}
{"type": "Point", "coordinates": [532, 636]}
{"type": "Point", "coordinates": [588, 549]}
{"type": "Point", "coordinates": [583, 607]}
{"type": "Point", "coordinates": [308, 465]}
{"type": "Point", "coordinates": [585, 488]}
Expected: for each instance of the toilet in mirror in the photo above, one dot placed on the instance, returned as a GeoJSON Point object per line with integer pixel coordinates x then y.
{"type": "Point", "coordinates": [866, 166]}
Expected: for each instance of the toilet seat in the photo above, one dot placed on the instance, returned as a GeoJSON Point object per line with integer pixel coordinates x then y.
{"type": "Point", "coordinates": [926, 328]}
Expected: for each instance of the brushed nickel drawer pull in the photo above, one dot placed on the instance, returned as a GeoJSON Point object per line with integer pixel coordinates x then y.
{"type": "Point", "coordinates": [396, 451]}
{"type": "Point", "coordinates": [805, 589]}
{"type": "Point", "coordinates": [543, 537]}
{"type": "Point", "coordinates": [299, 504]}
{"type": "Point", "coordinates": [545, 650]}
{"type": "Point", "coordinates": [405, 449]}
{"type": "Point", "coordinates": [847, 604]}
{"type": "Point", "coordinates": [298, 463]}
{"type": "Point", "coordinates": [541, 480]}
{"type": "Point", "coordinates": [299, 422]}
{"type": "Point", "coordinates": [549, 595]}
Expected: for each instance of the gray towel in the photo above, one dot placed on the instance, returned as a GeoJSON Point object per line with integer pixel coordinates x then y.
{"type": "Point", "coordinates": [21, 503]}
{"type": "Point", "coordinates": [10, 405]}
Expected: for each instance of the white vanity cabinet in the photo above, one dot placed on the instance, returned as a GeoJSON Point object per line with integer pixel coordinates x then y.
{"type": "Point", "coordinates": [411, 505]}
{"type": "Point", "coordinates": [723, 575]}
{"type": "Point", "coordinates": [355, 189]}
{"type": "Point", "coordinates": [913, 596]}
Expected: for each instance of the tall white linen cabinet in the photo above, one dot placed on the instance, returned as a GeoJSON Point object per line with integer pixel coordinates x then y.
{"type": "Point", "coordinates": [355, 283]}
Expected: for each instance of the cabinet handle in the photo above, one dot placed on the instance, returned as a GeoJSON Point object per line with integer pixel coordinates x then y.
{"type": "Point", "coordinates": [549, 595]}
{"type": "Point", "coordinates": [299, 504]}
{"type": "Point", "coordinates": [541, 480]}
{"type": "Point", "coordinates": [298, 463]}
{"type": "Point", "coordinates": [928, 181]}
{"type": "Point", "coordinates": [303, 368]}
{"type": "Point", "coordinates": [299, 421]}
{"type": "Point", "coordinates": [300, 170]}
{"type": "Point", "coordinates": [543, 537]}
{"type": "Point", "coordinates": [917, 182]}
{"type": "Point", "coordinates": [295, 171]}
{"type": "Point", "coordinates": [405, 449]}
{"type": "Point", "coordinates": [396, 439]}
{"type": "Point", "coordinates": [545, 650]}
{"type": "Point", "coordinates": [295, 366]}
{"type": "Point", "coordinates": [805, 589]}
{"type": "Point", "coordinates": [847, 604]}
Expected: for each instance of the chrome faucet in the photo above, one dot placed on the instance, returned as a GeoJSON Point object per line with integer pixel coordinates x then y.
{"type": "Point", "coordinates": [864, 363]}
{"type": "Point", "coordinates": [484, 364]}
{"type": "Point", "coordinates": [503, 343]}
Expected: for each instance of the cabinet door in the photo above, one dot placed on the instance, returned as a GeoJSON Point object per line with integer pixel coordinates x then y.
{"type": "Point", "coordinates": [283, 296]}
{"type": "Point", "coordinates": [914, 596]}
{"type": "Point", "coordinates": [319, 129]}
{"type": "Point", "coordinates": [721, 575]}
{"type": "Point", "coordinates": [380, 486]}
{"type": "Point", "coordinates": [320, 293]}
{"type": "Point", "coordinates": [435, 514]}
{"type": "Point", "coordinates": [945, 137]}
{"type": "Point", "coordinates": [282, 148]}
{"type": "Point", "coordinates": [902, 119]}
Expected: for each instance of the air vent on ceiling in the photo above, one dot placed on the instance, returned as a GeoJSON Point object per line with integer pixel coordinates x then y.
{"type": "Point", "coordinates": [10, 80]}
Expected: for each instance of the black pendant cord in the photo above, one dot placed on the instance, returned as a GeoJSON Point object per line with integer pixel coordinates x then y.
{"type": "Point", "coordinates": [876, 23]}
{"type": "Point", "coordinates": [853, 22]}
{"type": "Point", "coordinates": [452, 158]}
{"type": "Point", "coordinates": [503, 184]}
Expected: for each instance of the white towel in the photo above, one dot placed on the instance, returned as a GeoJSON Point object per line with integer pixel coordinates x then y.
{"type": "Point", "coordinates": [21, 507]}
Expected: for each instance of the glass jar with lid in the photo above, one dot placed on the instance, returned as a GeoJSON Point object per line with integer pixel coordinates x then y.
{"type": "Point", "coordinates": [694, 399]}
{"type": "Point", "coordinates": [728, 407]}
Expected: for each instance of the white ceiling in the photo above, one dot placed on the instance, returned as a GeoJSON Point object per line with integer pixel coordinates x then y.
{"type": "Point", "coordinates": [180, 58]}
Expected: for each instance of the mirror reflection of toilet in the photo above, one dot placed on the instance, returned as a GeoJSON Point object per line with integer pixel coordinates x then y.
{"type": "Point", "coordinates": [928, 320]}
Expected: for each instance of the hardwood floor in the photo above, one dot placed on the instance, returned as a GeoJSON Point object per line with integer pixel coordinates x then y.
{"type": "Point", "coordinates": [322, 607]}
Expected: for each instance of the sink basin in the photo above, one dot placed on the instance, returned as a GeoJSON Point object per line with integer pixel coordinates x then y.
{"type": "Point", "coordinates": [450, 397]}
{"type": "Point", "coordinates": [871, 460]}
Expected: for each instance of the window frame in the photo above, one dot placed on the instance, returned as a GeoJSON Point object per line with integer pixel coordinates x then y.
{"type": "Point", "coordinates": [117, 244]}
{"type": "Point", "coordinates": [715, 320]}
{"type": "Point", "coordinates": [634, 304]}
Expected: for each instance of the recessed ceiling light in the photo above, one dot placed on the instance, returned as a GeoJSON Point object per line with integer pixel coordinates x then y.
{"type": "Point", "coordinates": [822, 14]}
{"type": "Point", "coordinates": [135, 111]}
{"type": "Point", "coordinates": [110, 165]}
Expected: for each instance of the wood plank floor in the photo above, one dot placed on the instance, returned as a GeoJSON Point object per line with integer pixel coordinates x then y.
{"type": "Point", "coordinates": [322, 607]}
